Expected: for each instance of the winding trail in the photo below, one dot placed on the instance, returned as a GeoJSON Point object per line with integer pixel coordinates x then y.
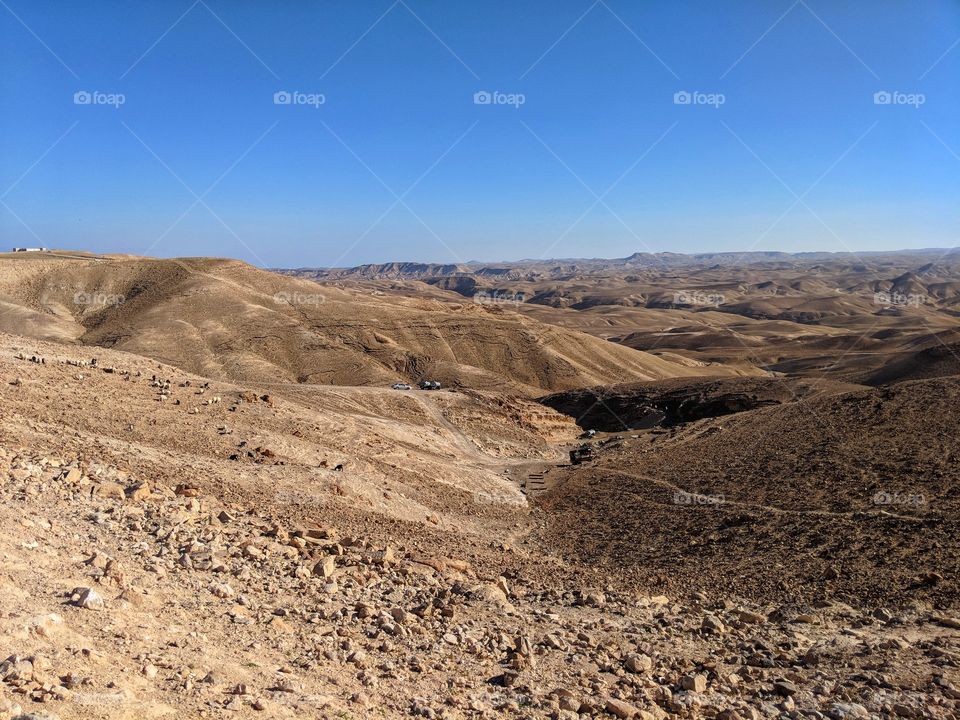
{"type": "Point", "coordinates": [769, 508]}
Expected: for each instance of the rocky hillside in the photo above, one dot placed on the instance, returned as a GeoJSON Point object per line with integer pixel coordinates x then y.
{"type": "Point", "coordinates": [667, 403]}
{"type": "Point", "coordinates": [811, 500]}
{"type": "Point", "coordinates": [226, 319]}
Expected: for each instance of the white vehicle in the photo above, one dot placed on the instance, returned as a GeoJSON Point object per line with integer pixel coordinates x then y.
{"type": "Point", "coordinates": [400, 386]}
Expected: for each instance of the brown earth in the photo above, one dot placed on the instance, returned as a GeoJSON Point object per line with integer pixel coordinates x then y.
{"type": "Point", "coordinates": [838, 314]}
{"type": "Point", "coordinates": [231, 514]}
{"type": "Point", "coordinates": [809, 500]}
{"type": "Point", "coordinates": [227, 319]}
{"type": "Point", "coordinates": [665, 403]}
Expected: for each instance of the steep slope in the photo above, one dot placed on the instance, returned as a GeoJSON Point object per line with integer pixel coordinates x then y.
{"type": "Point", "coordinates": [940, 360]}
{"type": "Point", "coordinates": [226, 319]}
{"type": "Point", "coordinates": [805, 501]}
{"type": "Point", "coordinates": [403, 454]}
{"type": "Point", "coordinates": [666, 403]}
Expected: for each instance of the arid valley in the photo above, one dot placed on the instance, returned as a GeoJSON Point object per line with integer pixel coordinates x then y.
{"type": "Point", "coordinates": [665, 486]}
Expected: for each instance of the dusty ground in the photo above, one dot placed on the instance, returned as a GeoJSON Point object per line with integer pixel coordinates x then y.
{"type": "Point", "coordinates": [219, 537]}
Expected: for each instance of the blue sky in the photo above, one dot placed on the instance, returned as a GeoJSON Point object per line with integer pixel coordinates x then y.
{"type": "Point", "coordinates": [586, 151]}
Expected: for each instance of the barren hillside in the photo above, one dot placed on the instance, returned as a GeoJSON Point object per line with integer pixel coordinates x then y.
{"type": "Point", "coordinates": [226, 319]}
{"type": "Point", "coordinates": [214, 505]}
{"type": "Point", "coordinates": [811, 499]}
{"type": "Point", "coordinates": [179, 547]}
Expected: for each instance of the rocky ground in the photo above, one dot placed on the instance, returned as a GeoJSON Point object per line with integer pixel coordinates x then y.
{"type": "Point", "coordinates": [199, 518]}
{"type": "Point", "coordinates": [130, 599]}
{"type": "Point", "coordinates": [154, 577]}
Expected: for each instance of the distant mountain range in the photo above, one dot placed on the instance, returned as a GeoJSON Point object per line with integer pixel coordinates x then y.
{"type": "Point", "coordinates": [534, 269]}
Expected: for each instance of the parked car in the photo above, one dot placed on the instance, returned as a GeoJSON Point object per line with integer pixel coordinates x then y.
{"type": "Point", "coordinates": [429, 385]}
{"type": "Point", "coordinates": [400, 386]}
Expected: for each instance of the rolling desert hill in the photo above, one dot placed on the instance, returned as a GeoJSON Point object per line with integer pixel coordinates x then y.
{"type": "Point", "coordinates": [839, 314]}
{"type": "Point", "coordinates": [175, 546]}
{"type": "Point", "coordinates": [806, 500]}
{"type": "Point", "coordinates": [226, 319]}
{"type": "Point", "coordinates": [940, 360]}
{"type": "Point", "coordinates": [212, 504]}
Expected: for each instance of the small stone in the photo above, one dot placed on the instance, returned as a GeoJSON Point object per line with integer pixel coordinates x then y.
{"type": "Point", "coordinates": [253, 552]}
{"type": "Point", "coordinates": [784, 688]}
{"type": "Point", "coordinates": [596, 599]}
{"type": "Point", "coordinates": [386, 557]}
{"type": "Point", "coordinates": [621, 709]}
{"type": "Point", "coordinates": [907, 711]}
{"type": "Point", "coordinates": [713, 624]}
{"type": "Point", "coordinates": [752, 618]}
{"type": "Point", "coordinates": [694, 682]}
{"type": "Point", "coordinates": [729, 714]}
{"type": "Point", "coordinates": [87, 598]}
{"type": "Point", "coordinates": [139, 492]}
{"type": "Point", "coordinates": [72, 476]}
{"type": "Point", "coordinates": [222, 590]}
{"type": "Point", "coordinates": [848, 711]}
{"type": "Point", "coordinates": [638, 663]}
{"type": "Point", "coordinates": [325, 568]}
{"type": "Point", "coordinates": [109, 490]}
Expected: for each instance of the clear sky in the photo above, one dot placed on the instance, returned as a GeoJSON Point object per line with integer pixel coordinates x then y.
{"type": "Point", "coordinates": [583, 150]}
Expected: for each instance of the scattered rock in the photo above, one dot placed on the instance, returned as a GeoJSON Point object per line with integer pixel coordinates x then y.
{"type": "Point", "coordinates": [638, 663]}
{"type": "Point", "coordinates": [694, 682]}
{"type": "Point", "coordinates": [87, 598]}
